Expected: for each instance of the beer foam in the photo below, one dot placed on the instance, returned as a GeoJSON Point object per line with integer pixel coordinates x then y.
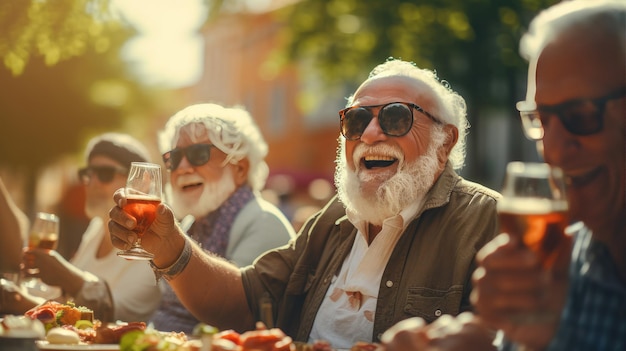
{"type": "Point", "coordinates": [142, 197]}
{"type": "Point", "coordinates": [531, 205]}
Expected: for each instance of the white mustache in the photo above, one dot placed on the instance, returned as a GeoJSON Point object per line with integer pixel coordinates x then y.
{"type": "Point", "coordinates": [379, 150]}
{"type": "Point", "coordinates": [187, 179]}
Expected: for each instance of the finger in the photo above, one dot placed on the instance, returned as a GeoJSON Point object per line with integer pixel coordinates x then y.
{"type": "Point", "coordinates": [165, 216]}
{"type": "Point", "coordinates": [505, 254]}
{"type": "Point", "coordinates": [121, 237]}
{"type": "Point", "coordinates": [402, 332]}
{"type": "Point", "coordinates": [119, 197]}
{"type": "Point", "coordinates": [122, 218]}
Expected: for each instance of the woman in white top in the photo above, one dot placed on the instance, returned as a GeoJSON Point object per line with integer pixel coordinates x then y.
{"type": "Point", "coordinates": [116, 289]}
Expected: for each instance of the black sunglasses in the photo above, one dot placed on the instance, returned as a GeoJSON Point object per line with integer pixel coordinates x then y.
{"type": "Point", "coordinates": [579, 116]}
{"type": "Point", "coordinates": [196, 154]}
{"type": "Point", "coordinates": [395, 119]}
{"type": "Point", "coordinates": [105, 174]}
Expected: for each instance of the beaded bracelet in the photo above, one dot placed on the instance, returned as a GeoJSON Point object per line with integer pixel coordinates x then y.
{"type": "Point", "coordinates": [177, 267]}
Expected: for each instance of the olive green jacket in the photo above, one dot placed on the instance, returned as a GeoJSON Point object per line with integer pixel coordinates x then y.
{"type": "Point", "coordinates": [428, 273]}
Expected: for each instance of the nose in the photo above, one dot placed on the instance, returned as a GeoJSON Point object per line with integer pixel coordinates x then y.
{"type": "Point", "coordinates": [373, 132]}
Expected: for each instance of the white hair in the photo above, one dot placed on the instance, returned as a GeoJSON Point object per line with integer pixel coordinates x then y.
{"type": "Point", "coordinates": [598, 16]}
{"type": "Point", "coordinates": [450, 107]}
{"type": "Point", "coordinates": [230, 129]}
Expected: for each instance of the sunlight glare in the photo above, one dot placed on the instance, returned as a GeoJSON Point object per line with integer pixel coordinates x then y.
{"type": "Point", "coordinates": [169, 48]}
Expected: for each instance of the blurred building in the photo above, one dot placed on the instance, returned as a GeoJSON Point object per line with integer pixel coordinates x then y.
{"type": "Point", "coordinates": [239, 71]}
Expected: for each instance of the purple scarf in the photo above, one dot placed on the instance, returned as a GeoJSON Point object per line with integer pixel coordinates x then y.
{"type": "Point", "coordinates": [212, 231]}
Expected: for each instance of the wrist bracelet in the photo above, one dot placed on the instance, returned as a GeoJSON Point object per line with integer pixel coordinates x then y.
{"type": "Point", "coordinates": [177, 267]}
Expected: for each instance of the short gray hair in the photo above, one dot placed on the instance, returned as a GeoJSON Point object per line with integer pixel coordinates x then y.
{"type": "Point", "coordinates": [450, 107]}
{"type": "Point", "coordinates": [601, 16]}
{"type": "Point", "coordinates": [231, 129]}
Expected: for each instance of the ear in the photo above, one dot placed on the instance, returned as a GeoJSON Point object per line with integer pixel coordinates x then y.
{"type": "Point", "coordinates": [452, 136]}
{"type": "Point", "coordinates": [240, 171]}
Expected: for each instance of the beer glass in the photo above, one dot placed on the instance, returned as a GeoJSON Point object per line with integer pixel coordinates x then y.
{"type": "Point", "coordinates": [143, 195]}
{"type": "Point", "coordinates": [44, 234]}
{"type": "Point", "coordinates": [534, 207]}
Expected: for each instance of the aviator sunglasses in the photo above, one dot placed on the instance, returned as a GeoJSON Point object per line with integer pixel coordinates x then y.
{"type": "Point", "coordinates": [105, 174]}
{"type": "Point", "coordinates": [196, 154]}
{"type": "Point", "coordinates": [579, 116]}
{"type": "Point", "coordinates": [395, 119]}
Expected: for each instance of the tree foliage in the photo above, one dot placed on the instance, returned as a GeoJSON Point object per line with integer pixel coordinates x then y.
{"type": "Point", "coordinates": [472, 44]}
{"type": "Point", "coordinates": [53, 30]}
{"type": "Point", "coordinates": [467, 41]}
{"type": "Point", "coordinates": [62, 80]}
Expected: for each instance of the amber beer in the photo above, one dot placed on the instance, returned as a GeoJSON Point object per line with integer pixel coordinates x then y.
{"type": "Point", "coordinates": [46, 241]}
{"type": "Point", "coordinates": [539, 223]}
{"type": "Point", "coordinates": [143, 208]}
{"type": "Point", "coordinates": [44, 233]}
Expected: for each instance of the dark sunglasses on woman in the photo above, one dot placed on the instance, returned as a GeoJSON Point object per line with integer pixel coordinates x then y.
{"type": "Point", "coordinates": [104, 174]}
{"type": "Point", "coordinates": [196, 154]}
{"type": "Point", "coordinates": [395, 119]}
{"type": "Point", "coordinates": [579, 116]}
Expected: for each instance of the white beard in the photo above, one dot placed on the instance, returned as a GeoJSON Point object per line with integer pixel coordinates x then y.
{"type": "Point", "coordinates": [408, 185]}
{"type": "Point", "coordinates": [213, 196]}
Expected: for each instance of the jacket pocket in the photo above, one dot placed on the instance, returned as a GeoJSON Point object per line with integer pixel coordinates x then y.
{"type": "Point", "coordinates": [430, 304]}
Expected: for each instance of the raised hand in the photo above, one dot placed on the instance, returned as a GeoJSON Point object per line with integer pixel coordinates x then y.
{"type": "Point", "coordinates": [163, 238]}
{"type": "Point", "coordinates": [513, 293]}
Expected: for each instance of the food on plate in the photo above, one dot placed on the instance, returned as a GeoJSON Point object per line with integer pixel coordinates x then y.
{"type": "Point", "coordinates": [58, 335]}
{"type": "Point", "coordinates": [209, 338]}
{"type": "Point", "coordinates": [67, 320]}
{"type": "Point", "coordinates": [153, 340]}
{"type": "Point", "coordinates": [21, 327]}
{"type": "Point", "coordinates": [319, 345]}
{"type": "Point", "coordinates": [113, 334]}
{"type": "Point", "coordinates": [364, 346]}
{"type": "Point", "coordinates": [54, 314]}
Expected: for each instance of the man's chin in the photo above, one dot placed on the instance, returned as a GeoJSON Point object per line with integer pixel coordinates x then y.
{"type": "Point", "coordinates": [196, 209]}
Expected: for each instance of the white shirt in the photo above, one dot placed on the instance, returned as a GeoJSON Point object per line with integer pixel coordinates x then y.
{"type": "Point", "coordinates": [135, 292]}
{"type": "Point", "coordinates": [348, 310]}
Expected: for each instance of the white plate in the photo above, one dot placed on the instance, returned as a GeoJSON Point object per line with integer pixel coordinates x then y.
{"type": "Point", "coordinates": [44, 345]}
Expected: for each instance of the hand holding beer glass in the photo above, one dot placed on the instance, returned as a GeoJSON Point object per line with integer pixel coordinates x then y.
{"type": "Point", "coordinates": [44, 234]}
{"type": "Point", "coordinates": [534, 207]}
{"type": "Point", "coordinates": [143, 195]}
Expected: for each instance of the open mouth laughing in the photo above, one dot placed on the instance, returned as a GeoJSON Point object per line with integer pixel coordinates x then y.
{"type": "Point", "coordinates": [374, 161]}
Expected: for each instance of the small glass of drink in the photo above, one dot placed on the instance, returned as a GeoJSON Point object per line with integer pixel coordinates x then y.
{"type": "Point", "coordinates": [534, 207]}
{"type": "Point", "coordinates": [44, 234]}
{"type": "Point", "coordinates": [143, 196]}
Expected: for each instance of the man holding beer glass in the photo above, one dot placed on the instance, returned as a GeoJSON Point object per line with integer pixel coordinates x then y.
{"type": "Point", "coordinates": [575, 109]}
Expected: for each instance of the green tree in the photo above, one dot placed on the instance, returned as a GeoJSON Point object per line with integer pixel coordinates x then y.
{"type": "Point", "coordinates": [62, 80]}
{"type": "Point", "coordinates": [473, 44]}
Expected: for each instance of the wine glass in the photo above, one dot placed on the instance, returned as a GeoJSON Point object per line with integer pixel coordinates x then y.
{"type": "Point", "coordinates": [44, 234]}
{"type": "Point", "coordinates": [143, 195]}
{"type": "Point", "coordinates": [534, 207]}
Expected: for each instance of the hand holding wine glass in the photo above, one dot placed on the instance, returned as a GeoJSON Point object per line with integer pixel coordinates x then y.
{"type": "Point", "coordinates": [143, 196]}
{"type": "Point", "coordinates": [44, 234]}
